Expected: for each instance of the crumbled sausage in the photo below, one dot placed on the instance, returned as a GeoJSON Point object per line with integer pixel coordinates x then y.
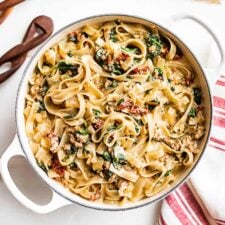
{"type": "Point", "coordinates": [98, 124]}
{"type": "Point", "coordinates": [137, 110]}
{"type": "Point", "coordinates": [54, 139]}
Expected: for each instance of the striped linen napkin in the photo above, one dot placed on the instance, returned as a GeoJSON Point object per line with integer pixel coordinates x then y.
{"type": "Point", "coordinates": [201, 200]}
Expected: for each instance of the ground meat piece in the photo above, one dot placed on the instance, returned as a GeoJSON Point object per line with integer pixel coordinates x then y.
{"type": "Point", "coordinates": [98, 124]}
{"type": "Point", "coordinates": [126, 104]}
{"type": "Point", "coordinates": [189, 144]}
{"type": "Point", "coordinates": [164, 158]}
{"type": "Point", "coordinates": [125, 188]}
{"type": "Point", "coordinates": [174, 144]}
{"type": "Point", "coordinates": [95, 196]}
{"type": "Point", "coordinates": [137, 110]}
{"type": "Point", "coordinates": [82, 138]}
{"type": "Point", "coordinates": [140, 70]}
{"type": "Point", "coordinates": [122, 57]}
{"type": "Point", "coordinates": [72, 139]}
{"type": "Point", "coordinates": [78, 145]}
{"type": "Point", "coordinates": [54, 139]}
{"type": "Point", "coordinates": [197, 131]}
{"type": "Point", "coordinates": [59, 169]}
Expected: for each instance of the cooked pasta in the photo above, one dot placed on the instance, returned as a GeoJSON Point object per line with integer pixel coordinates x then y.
{"type": "Point", "coordinates": [114, 112]}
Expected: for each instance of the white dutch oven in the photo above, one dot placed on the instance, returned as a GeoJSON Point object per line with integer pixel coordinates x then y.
{"type": "Point", "coordinates": [20, 146]}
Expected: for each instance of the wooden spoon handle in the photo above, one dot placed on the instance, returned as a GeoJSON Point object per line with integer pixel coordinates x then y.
{"type": "Point", "coordinates": [38, 31]}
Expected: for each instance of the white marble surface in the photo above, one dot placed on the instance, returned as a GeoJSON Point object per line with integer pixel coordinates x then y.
{"type": "Point", "coordinates": [64, 12]}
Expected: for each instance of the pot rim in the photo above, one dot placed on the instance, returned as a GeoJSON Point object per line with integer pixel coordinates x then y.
{"type": "Point", "coordinates": [17, 108]}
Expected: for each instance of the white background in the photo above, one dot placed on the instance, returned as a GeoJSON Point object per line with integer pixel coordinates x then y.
{"type": "Point", "coordinates": [64, 12]}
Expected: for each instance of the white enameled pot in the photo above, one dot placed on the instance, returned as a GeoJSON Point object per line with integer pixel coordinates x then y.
{"type": "Point", "coordinates": [20, 146]}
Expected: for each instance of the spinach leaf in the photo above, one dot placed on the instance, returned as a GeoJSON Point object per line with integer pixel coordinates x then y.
{"type": "Point", "coordinates": [113, 35]}
{"type": "Point", "coordinates": [84, 132]}
{"type": "Point", "coordinates": [131, 50]}
{"type": "Point", "coordinates": [107, 174]}
{"type": "Point", "coordinates": [107, 157]}
{"type": "Point", "coordinates": [41, 165]}
{"type": "Point", "coordinates": [96, 112]}
{"type": "Point", "coordinates": [154, 45]}
{"type": "Point", "coordinates": [197, 95]}
{"type": "Point", "coordinates": [100, 56]}
{"type": "Point", "coordinates": [44, 88]}
{"type": "Point", "coordinates": [117, 69]}
{"type": "Point", "coordinates": [69, 116]}
{"type": "Point", "coordinates": [120, 101]}
{"type": "Point", "coordinates": [119, 160]}
{"type": "Point", "coordinates": [193, 112]}
{"type": "Point", "coordinates": [73, 38]}
{"type": "Point", "coordinates": [66, 67]}
{"type": "Point", "coordinates": [70, 54]}
{"type": "Point", "coordinates": [158, 72]}
{"type": "Point", "coordinates": [168, 172]}
{"type": "Point", "coordinates": [41, 107]}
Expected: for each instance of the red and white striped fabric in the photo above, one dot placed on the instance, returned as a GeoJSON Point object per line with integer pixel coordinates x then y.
{"type": "Point", "coordinates": [201, 200]}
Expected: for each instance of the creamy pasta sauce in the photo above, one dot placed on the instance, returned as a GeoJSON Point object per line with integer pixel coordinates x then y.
{"type": "Point", "coordinates": [114, 112]}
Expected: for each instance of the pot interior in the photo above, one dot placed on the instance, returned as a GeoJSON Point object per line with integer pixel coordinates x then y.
{"type": "Point", "coordinates": [21, 101]}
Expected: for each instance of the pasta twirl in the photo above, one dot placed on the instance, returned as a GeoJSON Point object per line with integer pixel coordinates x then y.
{"type": "Point", "coordinates": [114, 112]}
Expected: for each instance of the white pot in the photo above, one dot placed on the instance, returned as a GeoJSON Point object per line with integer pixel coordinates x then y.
{"type": "Point", "coordinates": [20, 146]}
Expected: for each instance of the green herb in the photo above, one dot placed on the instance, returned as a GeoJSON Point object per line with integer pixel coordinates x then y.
{"type": "Point", "coordinates": [84, 132]}
{"type": "Point", "coordinates": [154, 45]}
{"type": "Point", "coordinates": [149, 77]}
{"type": "Point", "coordinates": [117, 69]}
{"type": "Point", "coordinates": [69, 116]}
{"type": "Point", "coordinates": [111, 128]}
{"type": "Point", "coordinates": [41, 107]}
{"type": "Point", "coordinates": [193, 112]}
{"type": "Point", "coordinates": [158, 71]}
{"type": "Point", "coordinates": [70, 54]}
{"type": "Point", "coordinates": [155, 40]}
{"type": "Point", "coordinates": [73, 165]}
{"type": "Point", "coordinates": [72, 150]}
{"type": "Point", "coordinates": [73, 38]}
{"type": "Point", "coordinates": [44, 88]}
{"type": "Point", "coordinates": [107, 174]}
{"type": "Point", "coordinates": [120, 101]}
{"type": "Point", "coordinates": [139, 122]}
{"type": "Point", "coordinates": [130, 77]}
{"type": "Point", "coordinates": [114, 83]}
{"type": "Point", "coordinates": [96, 112]}
{"type": "Point", "coordinates": [136, 60]}
{"type": "Point", "coordinates": [41, 165]}
{"type": "Point", "coordinates": [131, 50]}
{"type": "Point", "coordinates": [106, 156]}
{"type": "Point", "coordinates": [100, 56]}
{"type": "Point", "coordinates": [114, 127]}
{"type": "Point", "coordinates": [64, 68]}
{"type": "Point", "coordinates": [168, 172]}
{"type": "Point", "coordinates": [137, 129]}
{"type": "Point", "coordinates": [113, 35]}
{"type": "Point", "coordinates": [119, 160]}
{"type": "Point", "coordinates": [197, 95]}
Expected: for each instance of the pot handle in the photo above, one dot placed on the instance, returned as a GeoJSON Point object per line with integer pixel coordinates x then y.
{"type": "Point", "coordinates": [206, 25]}
{"type": "Point", "coordinates": [15, 150]}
